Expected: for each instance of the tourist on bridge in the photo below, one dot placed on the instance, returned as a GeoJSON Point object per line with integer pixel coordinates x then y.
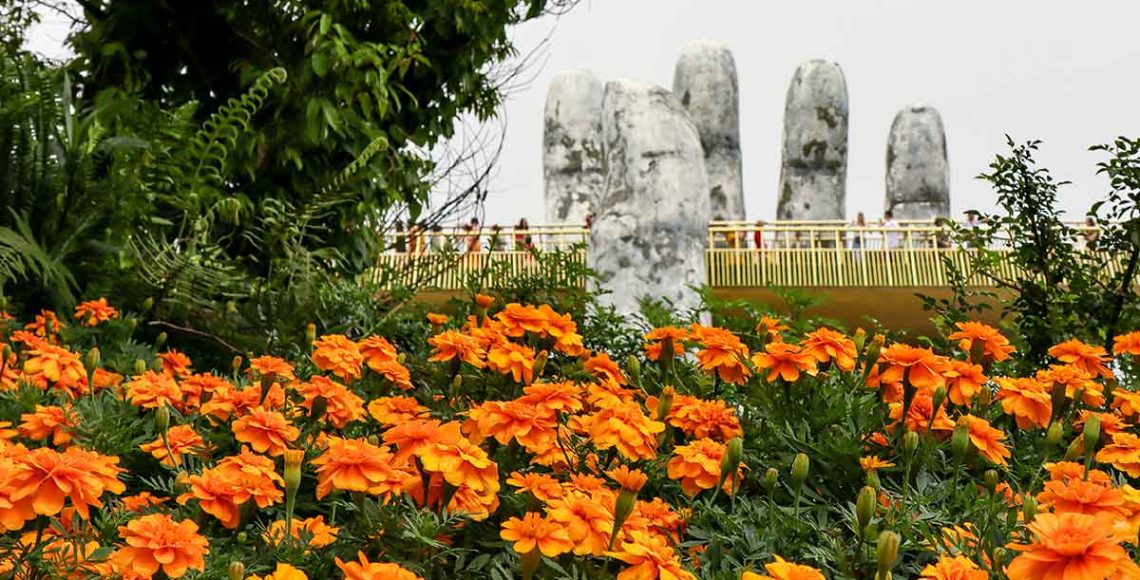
{"type": "Point", "coordinates": [893, 238]}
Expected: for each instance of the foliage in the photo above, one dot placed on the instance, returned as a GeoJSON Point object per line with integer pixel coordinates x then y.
{"type": "Point", "coordinates": [1066, 280]}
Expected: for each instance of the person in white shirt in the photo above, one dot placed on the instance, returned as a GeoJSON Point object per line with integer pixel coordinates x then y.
{"type": "Point", "coordinates": [894, 239]}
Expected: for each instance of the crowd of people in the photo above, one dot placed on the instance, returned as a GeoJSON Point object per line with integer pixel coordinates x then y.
{"type": "Point", "coordinates": [886, 233]}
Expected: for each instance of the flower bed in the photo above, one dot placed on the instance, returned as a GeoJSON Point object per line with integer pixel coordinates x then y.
{"type": "Point", "coordinates": [502, 446]}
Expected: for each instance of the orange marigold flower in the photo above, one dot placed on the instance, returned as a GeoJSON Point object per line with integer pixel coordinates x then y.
{"type": "Point", "coordinates": [564, 331]}
{"type": "Point", "coordinates": [649, 556]}
{"type": "Point", "coordinates": [587, 519]}
{"type": "Point", "coordinates": [437, 319]}
{"type": "Point", "coordinates": [785, 361]}
{"type": "Point", "coordinates": [517, 320]}
{"type": "Point", "coordinates": [357, 465]}
{"type": "Point", "coordinates": [922, 416]}
{"type": "Point", "coordinates": [1086, 357]}
{"type": "Point", "coordinates": [697, 466]}
{"type": "Point", "coordinates": [313, 532]}
{"type": "Point", "coordinates": [721, 352]}
{"type": "Point", "coordinates": [182, 440]}
{"type": "Point", "coordinates": [920, 366]}
{"type": "Point", "coordinates": [266, 431]}
{"type": "Point", "coordinates": [699, 418]}
{"type": "Point", "coordinates": [532, 427]}
{"type": "Point", "coordinates": [1072, 546]}
{"type": "Point", "coordinates": [462, 463]}
{"type": "Point", "coordinates": [553, 397]}
{"type": "Point", "coordinates": [626, 427]}
{"type": "Point", "coordinates": [152, 390]}
{"type": "Point", "coordinates": [157, 541]}
{"type": "Point", "coordinates": [1075, 380]}
{"type": "Point", "coordinates": [1127, 344]}
{"type": "Point", "coordinates": [656, 339]}
{"type": "Point", "coordinates": [1123, 453]}
{"type": "Point", "coordinates": [953, 568]}
{"type": "Point", "coordinates": [996, 347]}
{"type": "Point", "coordinates": [987, 440]}
{"type": "Point", "coordinates": [365, 570]}
{"type": "Point", "coordinates": [54, 422]}
{"type": "Point", "coordinates": [450, 345]}
{"type": "Point", "coordinates": [963, 381]}
{"type": "Point", "coordinates": [484, 301]}
{"type": "Point", "coordinates": [781, 569]}
{"type": "Point", "coordinates": [41, 480]}
{"type": "Point", "coordinates": [390, 411]}
{"type": "Point", "coordinates": [174, 363]}
{"type": "Point", "coordinates": [1026, 399]}
{"type": "Point", "coordinates": [512, 359]}
{"type": "Point", "coordinates": [412, 437]}
{"type": "Point", "coordinates": [770, 326]}
{"type": "Point", "coordinates": [141, 501]}
{"type": "Point", "coordinates": [605, 369]}
{"type": "Point", "coordinates": [536, 532]}
{"type": "Point", "coordinates": [336, 354]}
{"type": "Point", "coordinates": [1127, 402]}
{"type": "Point", "coordinates": [271, 366]}
{"type": "Point", "coordinates": [873, 463]}
{"type": "Point", "coordinates": [631, 480]}
{"type": "Point", "coordinates": [543, 487]}
{"type": "Point", "coordinates": [46, 325]}
{"type": "Point", "coordinates": [282, 572]}
{"type": "Point", "coordinates": [1073, 495]}
{"type": "Point", "coordinates": [1066, 470]}
{"type": "Point", "coordinates": [826, 345]}
{"type": "Point", "coordinates": [55, 365]}
{"type": "Point", "coordinates": [93, 312]}
{"type": "Point", "coordinates": [221, 490]}
{"type": "Point", "coordinates": [394, 372]}
{"type": "Point", "coordinates": [342, 406]}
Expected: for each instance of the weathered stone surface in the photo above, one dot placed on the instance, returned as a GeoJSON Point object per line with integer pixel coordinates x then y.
{"type": "Point", "coordinates": [572, 146]}
{"type": "Point", "coordinates": [813, 175]}
{"type": "Point", "coordinates": [918, 172]}
{"type": "Point", "coordinates": [650, 231]}
{"type": "Point", "coordinates": [704, 81]}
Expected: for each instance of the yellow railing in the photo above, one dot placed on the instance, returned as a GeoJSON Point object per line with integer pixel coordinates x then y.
{"type": "Point", "coordinates": [798, 254]}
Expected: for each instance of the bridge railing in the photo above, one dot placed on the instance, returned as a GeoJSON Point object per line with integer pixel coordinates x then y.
{"type": "Point", "coordinates": [803, 254]}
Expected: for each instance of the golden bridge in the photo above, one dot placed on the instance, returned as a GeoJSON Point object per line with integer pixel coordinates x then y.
{"type": "Point", "coordinates": [859, 271]}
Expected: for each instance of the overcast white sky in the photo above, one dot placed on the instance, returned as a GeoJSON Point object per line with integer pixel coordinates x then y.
{"type": "Point", "coordinates": [1057, 70]}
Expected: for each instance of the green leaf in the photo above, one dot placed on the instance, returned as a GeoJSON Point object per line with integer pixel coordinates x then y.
{"type": "Point", "coordinates": [320, 65]}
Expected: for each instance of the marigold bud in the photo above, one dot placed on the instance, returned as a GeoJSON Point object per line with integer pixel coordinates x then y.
{"type": "Point", "coordinates": [293, 460]}
{"type": "Point", "coordinates": [162, 419]}
{"type": "Point", "coordinates": [242, 537]}
{"type": "Point", "coordinates": [886, 553]}
{"type": "Point", "coordinates": [633, 368]}
{"type": "Point", "coordinates": [667, 353]}
{"type": "Point", "coordinates": [456, 383]}
{"type": "Point", "coordinates": [1053, 435]}
{"type": "Point", "coordinates": [140, 366]}
{"type": "Point", "coordinates": [622, 510]}
{"type": "Point", "coordinates": [771, 478]}
{"type": "Point", "coordinates": [1091, 433]}
{"type": "Point", "coordinates": [864, 508]}
{"type": "Point", "coordinates": [800, 466]}
{"type": "Point", "coordinates": [540, 362]}
{"type": "Point", "coordinates": [990, 477]}
{"type": "Point", "coordinates": [910, 442]}
{"type": "Point", "coordinates": [160, 341]}
{"type": "Point", "coordinates": [939, 398]}
{"type": "Point", "coordinates": [985, 395]}
{"type": "Point", "coordinates": [147, 304]}
{"type": "Point", "coordinates": [960, 441]}
{"type": "Point", "coordinates": [977, 352]}
{"type": "Point", "coordinates": [873, 479]}
{"type": "Point", "coordinates": [236, 571]}
{"type": "Point", "coordinates": [860, 339]}
{"type": "Point", "coordinates": [1028, 507]}
{"type": "Point", "coordinates": [132, 324]}
{"type": "Point", "coordinates": [318, 408]}
{"type": "Point", "coordinates": [310, 334]}
{"type": "Point", "coordinates": [92, 360]}
{"type": "Point", "coordinates": [236, 364]}
{"type": "Point", "coordinates": [1075, 449]}
{"type": "Point", "coordinates": [665, 402]}
{"type": "Point", "coordinates": [182, 481]}
{"type": "Point", "coordinates": [730, 462]}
